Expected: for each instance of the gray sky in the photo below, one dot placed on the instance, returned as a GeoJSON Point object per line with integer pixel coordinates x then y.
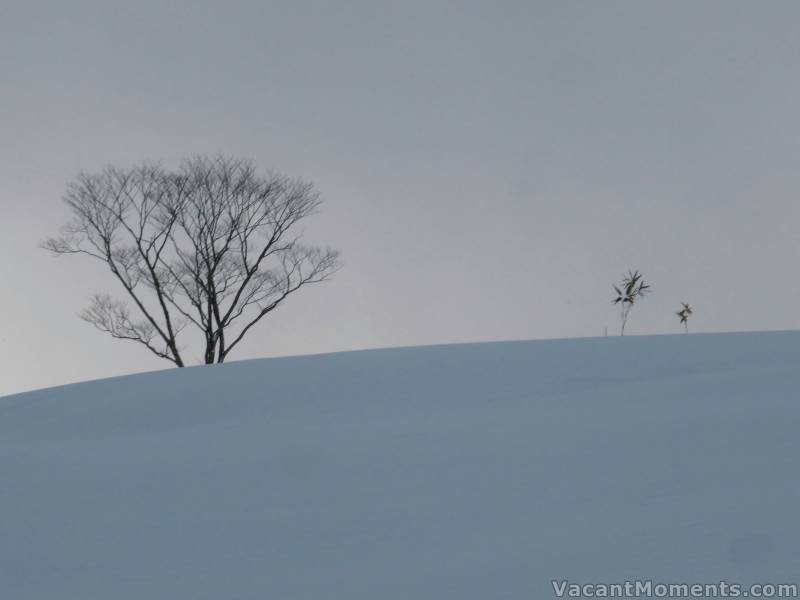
{"type": "Point", "coordinates": [488, 168]}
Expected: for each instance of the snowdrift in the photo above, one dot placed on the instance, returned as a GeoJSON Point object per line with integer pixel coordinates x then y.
{"type": "Point", "coordinates": [476, 471]}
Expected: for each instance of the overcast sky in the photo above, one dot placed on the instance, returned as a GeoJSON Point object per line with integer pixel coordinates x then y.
{"type": "Point", "coordinates": [488, 168]}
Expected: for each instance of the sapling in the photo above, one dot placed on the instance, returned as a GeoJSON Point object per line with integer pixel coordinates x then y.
{"type": "Point", "coordinates": [683, 314]}
{"type": "Point", "coordinates": [629, 290]}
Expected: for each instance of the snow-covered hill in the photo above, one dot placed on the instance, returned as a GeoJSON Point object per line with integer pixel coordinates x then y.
{"type": "Point", "coordinates": [461, 472]}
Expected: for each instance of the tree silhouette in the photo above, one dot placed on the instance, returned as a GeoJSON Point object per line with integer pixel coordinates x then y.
{"type": "Point", "coordinates": [683, 314]}
{"type": "Point", "coordinates": [213, 245]}
{"type": "Point", "coordinates": [628, 291]}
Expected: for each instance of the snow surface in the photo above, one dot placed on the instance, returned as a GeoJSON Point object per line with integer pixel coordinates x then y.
{"type": "Point", "coordinates": [478, 471]}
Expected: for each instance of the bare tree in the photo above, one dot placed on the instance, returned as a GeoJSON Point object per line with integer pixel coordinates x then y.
{"type": "Point", "coordinates": [212, 245]}
{"type": "Point", "coordinates": [629, 290]}
{"type": "Point", "coordinates": [683, 314]}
